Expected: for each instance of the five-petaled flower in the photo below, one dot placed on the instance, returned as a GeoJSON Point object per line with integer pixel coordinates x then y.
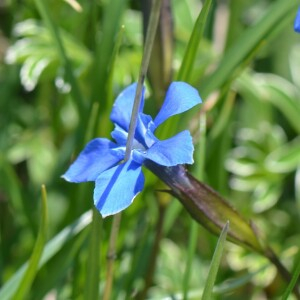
{"type": "Point", "coordinates": [102, 161]}
{"type": "Point", "coordinates": [297, 21]}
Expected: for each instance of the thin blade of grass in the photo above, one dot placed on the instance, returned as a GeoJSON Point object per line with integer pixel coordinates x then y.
{"type": "Point", "coordinates": [231, 285]}
{"type": "Point", "coordinates": [215, 263]}
{"type": "Point", "coordinates": [248, 41]}
{"type": "Point", "coordinates": [188, 64]}
{"type": "Point", "coordinates": [113, 12]}
{"type": "Point", "coordinates": [93, 264]}
{"type": "Point", "coordinates": [292, 283]}
{"type": "Point", "coordinates": [51, 248]}
{"type": "Point", "coordinates": [190, 54]}
{"type": "Point", "coordinates": [32, 267]}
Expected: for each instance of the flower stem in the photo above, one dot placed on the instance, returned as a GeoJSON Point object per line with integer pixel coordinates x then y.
{"type": "Point", "coordinates": [193, 232]}
{"type": "Point", "coordinates": [153, 22]}
{"type": "Point", "coordinates": [154, 253]}
{"type": "Point", "coordinates": [151, 30]}
{"type": "Point", "coordinates": [91, 290]}
{"type": "Point", "coordinates": [111, 256]}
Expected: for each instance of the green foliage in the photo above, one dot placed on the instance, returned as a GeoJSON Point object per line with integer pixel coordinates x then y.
{"type": "Point", "coordinates": [35, 50]}
{"type": "Point", "coordinates": [215, 263]}
{"type": "Point", "coordinates": [58, 78]}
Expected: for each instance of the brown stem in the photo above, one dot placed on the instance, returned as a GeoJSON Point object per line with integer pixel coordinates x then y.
{"type": "Point", "coordinates": [285, 274]}
{"type": "Point", "coordinates": [154, 254]}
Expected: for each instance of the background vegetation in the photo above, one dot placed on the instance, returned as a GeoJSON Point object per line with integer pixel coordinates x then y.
{"type": "Point", "coordinates": [63, 64]}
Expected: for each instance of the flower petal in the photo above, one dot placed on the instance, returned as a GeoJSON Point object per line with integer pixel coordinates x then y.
{"type": "Point", "coordinates": [117, 187]}
{"type": "Point", "coordinates": [174, 151]}
{"type": "Point", "coordinates": [142, 128]}
{"type": "Point", "coordinates": [180, 97]}
{"type": "Point", "coordinates": [297, 21]}
{"type": "Point", "coordinates": [119, 135]}
{"type": "Point", "coordinates": [98, 156]}
{"type": "Point", "coordinates": [122, 109]}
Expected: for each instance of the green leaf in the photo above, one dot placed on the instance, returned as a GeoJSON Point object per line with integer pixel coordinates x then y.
{"type": "Point", "coordinates": [38, 53]}
{"type": "Point", "coordinates": [193, 45]}
{"type": "Point", "coordinates": [231, 285]}
{"type": "Point", "coordinates": [51, 248]}
{"type": "Point", "coordinates": [283, 95]}
{"type": "Point", "coordinates": [215, 263]}
{"type": "Point", "coordinates": [248, 42]}
{"type": "Point", "coordinates": [110, 27]}
{"type": "Point", "coordinates": [32, 266]}
{"type": "Point", "coordinates": [292, 283]}
{"type": "Point", "coordinates": [64, 58]}
{"type": "Point", "coordinates": [297, 188]}
{"type": "Point", "coordinates": [91, 290]}
{"type": "Point", "coordinates": [286, 158]}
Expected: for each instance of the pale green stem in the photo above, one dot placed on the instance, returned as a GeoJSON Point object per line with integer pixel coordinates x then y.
{"type": "Point", "coordinates": [91, 290]}
{"type": "Point", "coordinates": [151, 30]}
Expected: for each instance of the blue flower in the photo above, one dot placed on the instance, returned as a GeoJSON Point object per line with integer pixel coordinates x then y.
{"type": "Point", "coordinates": [118, 182]}
{"type": "Point", "coordinates": [297, 21]}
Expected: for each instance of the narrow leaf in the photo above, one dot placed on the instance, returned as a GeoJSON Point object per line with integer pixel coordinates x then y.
{"type": "Point", "coordinates": [286, 158]}
{"type": "Point", "coordinates": [193, 44]}
{"type": "Point", "coordinates": [91, 290]}
{"type": "Point", "coordinates": [32, 266]}
{"type": "Point", "coordinates": [51, 248]}
{"type": "Point", "coordinates": [215, 263]}
{"type": "Point", "coordinates": [293, 282]}
{"type": "Point", "coordinates": [248, 41]}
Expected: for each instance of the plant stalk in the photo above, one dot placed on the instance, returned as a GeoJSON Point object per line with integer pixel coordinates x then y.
{"type": "Point", "coordinates": [111, 256]}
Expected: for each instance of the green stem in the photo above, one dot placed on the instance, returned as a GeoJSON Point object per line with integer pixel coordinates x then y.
{"type": "Point", "coordinates": [191, 252]}
{"type": "Point", "coordinates": [199, 163]}
{"type": "Point", "coordinates": [154, 254]}
{"type": "Point", "coordinates": [153, 22]}
{"type": "Point", "coordinates": [151, 30]}
{"type": "Point", "coordinates": [270, 254]}
{"type": "Point", "coordinates": [111, 256]}
{"type": "Point", "coordinates": [37, 252]}
{"type": "Point", "coordinates": [93, 264]}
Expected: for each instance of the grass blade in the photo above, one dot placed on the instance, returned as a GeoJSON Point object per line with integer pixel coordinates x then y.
{"type": "Point", "coordinates": [189, 57]}
{"type": "Point", "coordinates": [248, 41]}
{"type": "Point", "coordinates": [93, 264]}
{"type": "Point", "coordinates": [292, 283]}
{"type": "Point", "coordinates": [215, 263]}
{"type": "Point", "coordinates": [51, 248]}
{"type": "Point", "coordinates": [32, 267]}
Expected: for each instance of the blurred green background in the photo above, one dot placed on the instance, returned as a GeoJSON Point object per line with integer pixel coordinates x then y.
{"type": "Point", "coordinates": [62, 63]}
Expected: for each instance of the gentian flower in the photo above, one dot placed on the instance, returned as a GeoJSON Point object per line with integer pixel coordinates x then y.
{"type": "Point", "coordinates": [117, 182]}
{"type": "Point", "coordinates": [297, 22]}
